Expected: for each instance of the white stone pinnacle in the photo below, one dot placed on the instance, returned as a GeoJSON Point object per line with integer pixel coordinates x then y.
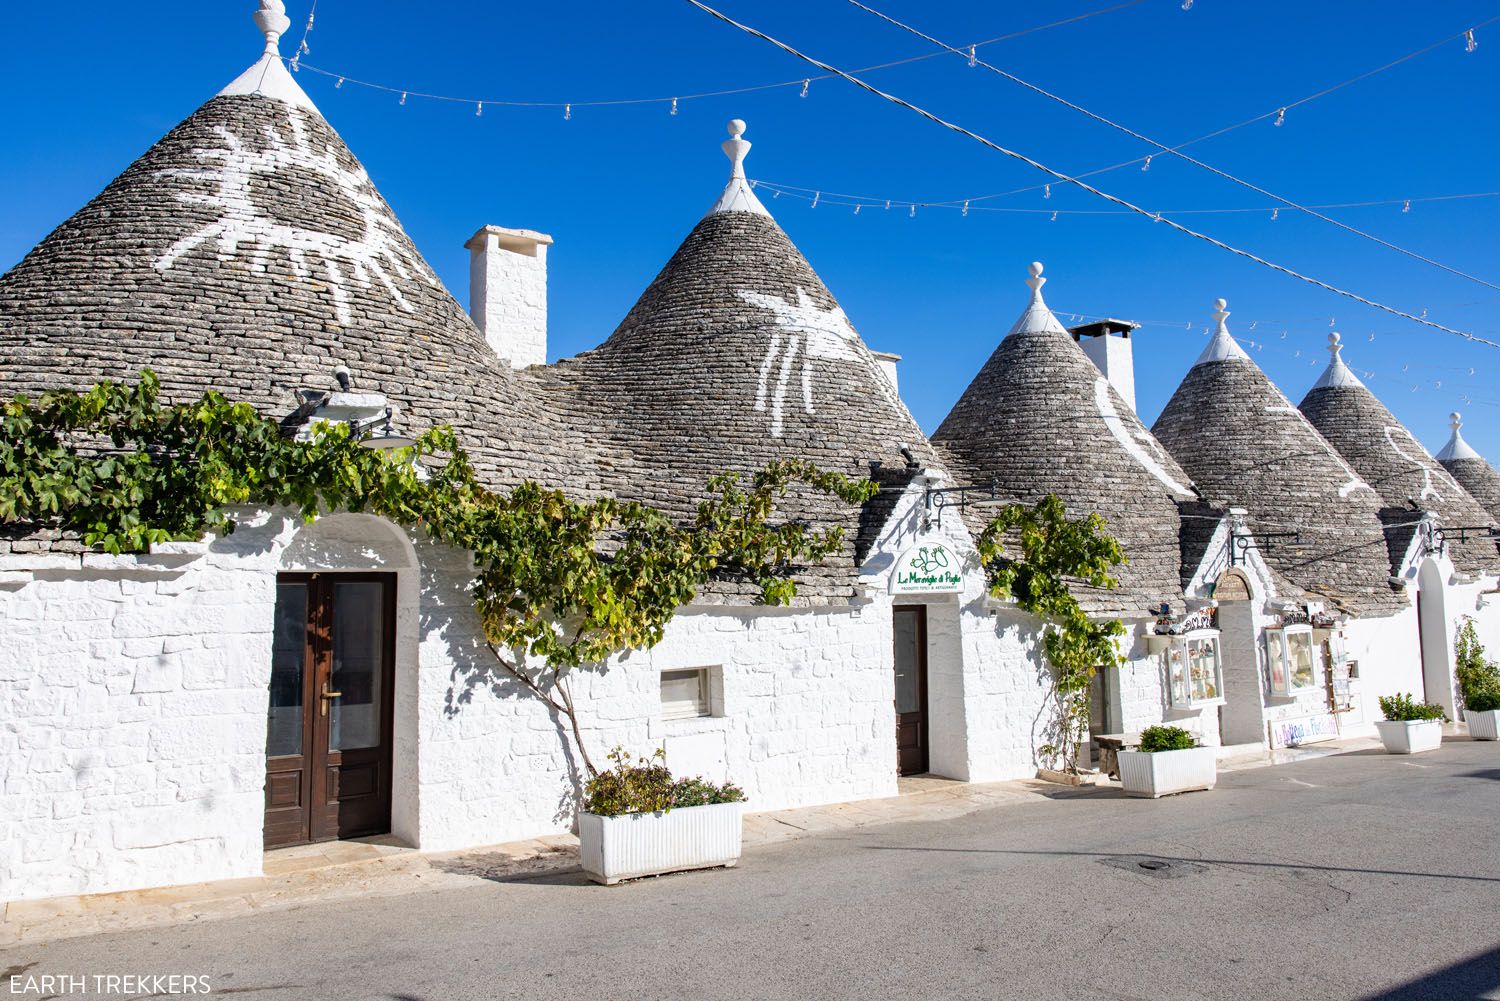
{"type": "Point", "coordinates": [1456, 448]}
{"type": "Point", "coordinates": [737, 196]}
{"type": "Point", "coordinates": [1223, 347]}
{"type": "Point", "coordinates": [1036, 281]}
{"type": "Point", "coordinates": [1337, 374]}
{"type": "Point", "coordinates": [269, 77]}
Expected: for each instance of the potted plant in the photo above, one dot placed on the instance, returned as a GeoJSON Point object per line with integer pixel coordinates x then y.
{"type": "Point", "coordinates": [1410, 727]}
{"type": "Point", "coordinates": [1478, 684]}
{"type": "Point", "coordinates": [639, 821]}
{"type": "Point", "coordinates": [1167, 760]}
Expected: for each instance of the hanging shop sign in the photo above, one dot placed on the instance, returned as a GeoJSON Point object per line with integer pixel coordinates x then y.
{"type": "Point", "coordinates": [927, 569]}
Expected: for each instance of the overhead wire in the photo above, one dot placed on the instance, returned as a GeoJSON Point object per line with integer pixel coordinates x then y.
{"type": "Point", "coordinates": [974, 60]}
{"type": "Point", "coordinates": [1060, 176]}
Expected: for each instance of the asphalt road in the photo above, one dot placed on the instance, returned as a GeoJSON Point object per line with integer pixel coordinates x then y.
{"type": "Point", "coordinates": [1357, 876]}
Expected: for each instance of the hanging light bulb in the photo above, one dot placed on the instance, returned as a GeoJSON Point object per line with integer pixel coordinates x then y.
{"type": "Point", "coordinates": [856, 210]}
{"type": "Point", "coordinates": [1469, 44]}
{"type": "Point", "coordinates": [966, 208]}
{"type": "Point", "coordinates": [339, 85]}
{"type": "Point", "coordinates": [974, 55]}
{"type": "Point", "coordinates": [403, 99]}
{"type": "Point", "coordinates": [887, 204]}
{"type": "Point", "coordinates": [1406, 205]}
{"type": "Point", "coordinates": [1253, 323]}
{"type": "Point", "coordinates": [1280, 116]}
{"type": "Point", "coordinates": [1046, 191]}
{"type": "Point", "coordinates": [479, 109]}
{"type": "Point", "coordinates": [1054, 216]}
{"type": "Point", "coordinates": [1372, 335]}
{"type": "Point", "coordinates": [1274, 213]}
{"type": "Point", "coordinates": [1147, 165]}
{"type": "Point", "coordinates": [674, 105]}
{"type": "Point", "coordinates": [804, 87]}
{"type": "Point", "coordinates": [913, 213]}
{"type": "Point", "coordinates": [1187, 4]}
{"type": "Point", "coordinates": [816, 196]}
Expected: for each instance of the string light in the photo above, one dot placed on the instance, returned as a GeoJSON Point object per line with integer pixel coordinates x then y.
{"type": "Point", "coordinates": [1147, 165]}
{"type": "Point", "coordinates": [1187, 4]}
{"type": "Point", "coordinates": [403, 99]}
{"type": "Point", "coordinates": [816, 195]}
{"type": "Point", "coordinates": [567, 112]}
{"type": "Point", "coordinates": [1280, 116]}
{"type": "Point", "coordinates": [339, 85]}
{"type": "Point", "coordinates": [804, 87]}
{"type": "Point", "coordinates": [974, 56]}
{"type": "Point", "coordinates": [1046, 191]}
{"type": "Point", "coordinates": [479, 110]}
{"type": "Point", "coordinates": [856, 210]}
{"type": "Point", "coordinates": [674, 105]}
{"type": "Point", "coordinates": [913, 214]}
{"type": "Point", "coordinates": [1274, 213]}
{"type": "Point", "coordinates": [1406, 205]}
{"type": "Point", "coordinates": [1469, 44]}
{"type": "Point", "coordinates": [1054, 217]}
{"type": "Point", "coordinates": [966, 209]}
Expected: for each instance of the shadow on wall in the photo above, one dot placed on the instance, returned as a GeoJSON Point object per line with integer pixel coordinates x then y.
{"type": "Point", "coordinates": [447, 610]}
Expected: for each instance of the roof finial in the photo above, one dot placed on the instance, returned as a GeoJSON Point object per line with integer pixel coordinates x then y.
{"type": "Point", "coordinates": [736, 148]}
{"type": "Point", "coordinates": [1036, 281]}
{"type": "Point", "coordinates": [272, 21]}
{"type": "Point", "coordinates": [1455, 421]}
{"type": "Point", "coordinates": [1334, 347]}
{"type": "Point", "coordinates": [1221, 314]}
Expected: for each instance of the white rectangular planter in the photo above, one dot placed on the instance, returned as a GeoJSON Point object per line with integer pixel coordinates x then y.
{"type": "Point", "coordinates": [647, 844]}
{"type": "Point", "coordinates": [1162, 773]}
{"type": "Point", "coordinates": [1485, 725]}
{"type": "Point", "coordinates": [1410, 736]}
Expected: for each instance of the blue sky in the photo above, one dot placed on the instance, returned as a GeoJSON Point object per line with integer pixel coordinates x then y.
{"type": "Point", "coordinates": [95, 84]}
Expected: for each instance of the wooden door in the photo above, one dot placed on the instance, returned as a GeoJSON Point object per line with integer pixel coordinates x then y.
{"type": "Point", "coordinates": [328, 732]}
{"type": "Point", "coordinates": [910, 628]}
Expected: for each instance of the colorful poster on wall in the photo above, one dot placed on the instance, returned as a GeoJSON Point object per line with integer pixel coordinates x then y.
{"type": "Point", "coordinates": [932, 568]}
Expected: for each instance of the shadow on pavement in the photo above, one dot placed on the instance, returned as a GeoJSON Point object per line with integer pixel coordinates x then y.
{"type": "Point", "coordinates": [1472, 979]}
{"type": "Point", "coordinates": [1483, 773]}
{"type": "Point", "coordinates": [1304, 867]}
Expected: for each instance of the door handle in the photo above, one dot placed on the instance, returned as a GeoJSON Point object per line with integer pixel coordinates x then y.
{"type": "Point", "coordinates": [325, 696]}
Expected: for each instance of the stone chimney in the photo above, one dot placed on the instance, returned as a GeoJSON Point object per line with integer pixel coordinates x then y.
{"type": "Point", "coordinates": [1107, 343]}
{"type": "Point", "coordinates": [508, 292]}
{"type": "Point", "coordinates": [887, 362]}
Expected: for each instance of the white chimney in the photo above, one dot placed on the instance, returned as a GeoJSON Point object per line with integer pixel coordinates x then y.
{"type": "Point", "coordinates": [887, 362]}
{"type": "Point", "coordinates": [1107, 343]}
{"type": "Point", "coordinates": [508, 292]}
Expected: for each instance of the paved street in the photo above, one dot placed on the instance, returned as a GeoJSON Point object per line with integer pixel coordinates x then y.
{"type": "Point", "coordinates": [1356, 876]}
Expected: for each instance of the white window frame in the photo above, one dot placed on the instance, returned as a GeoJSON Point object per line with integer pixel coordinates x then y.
{"type": "Point", "coordinates": [1279, 660]}
{"type": "Point", "coordinates": [1179, 653]}
{"type": "Point", "coordinates": [694, 706]}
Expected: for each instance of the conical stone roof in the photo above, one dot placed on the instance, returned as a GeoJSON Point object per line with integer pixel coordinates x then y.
{"type": "Point", "coordinates": [1390, 459]}
{"type": "Point", "coordinates": [736, 355]}
{"type": "Point", "coordinates": [1469, 468]}
{"type": "Point", "coordinates": [248, 251]}
{"type": "Point", "coordinates": [1040, 418]}
{"type": "Point", "coordinates": [1245, 445]}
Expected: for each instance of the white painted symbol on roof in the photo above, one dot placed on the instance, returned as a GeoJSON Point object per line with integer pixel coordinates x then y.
{"type": "Point", "coordinates": [229, 172]}
{"type": "Point", "coordinates": [816, 333]}
{"type": "Point", "coordinates": [1116, 425]}
{"type": "Point", "coordinates": [1428, 489]}
{"type": "Point", "coordinates": [1354, 483]}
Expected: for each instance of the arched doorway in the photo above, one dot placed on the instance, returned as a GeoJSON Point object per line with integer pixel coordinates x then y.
{"type": "Point", "coordinates": [1432, 627]}
{"type": "Point", "coordinates": [347, 585]}
{"type": "Point", "coordinates": [1242, 716]}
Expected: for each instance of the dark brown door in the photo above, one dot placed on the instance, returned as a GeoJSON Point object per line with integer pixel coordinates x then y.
{"type": "Point", "coordinates": [328, 733]}
{"type": "Point", "coordinates": [910, 622]}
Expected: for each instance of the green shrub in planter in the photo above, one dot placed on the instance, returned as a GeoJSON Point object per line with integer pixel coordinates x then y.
{"type": "Point", "coordinates": [1478, 677]}
{"type": "Point", "coordinates": [1403, 708]}
{"type": "Point", "coordinates": [1166, 738]}
{"type": "Point", "coordinates": [645, 785]}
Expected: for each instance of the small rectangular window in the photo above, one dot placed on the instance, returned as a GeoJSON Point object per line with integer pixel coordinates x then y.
{"type": "Point", "coordinates": [685, 694]}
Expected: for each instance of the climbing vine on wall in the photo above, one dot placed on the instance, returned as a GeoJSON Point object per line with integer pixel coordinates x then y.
{"type": "Point", "coordinates": [560, 583]}
{"type": "Point", "coordinates": [1050, 551]}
